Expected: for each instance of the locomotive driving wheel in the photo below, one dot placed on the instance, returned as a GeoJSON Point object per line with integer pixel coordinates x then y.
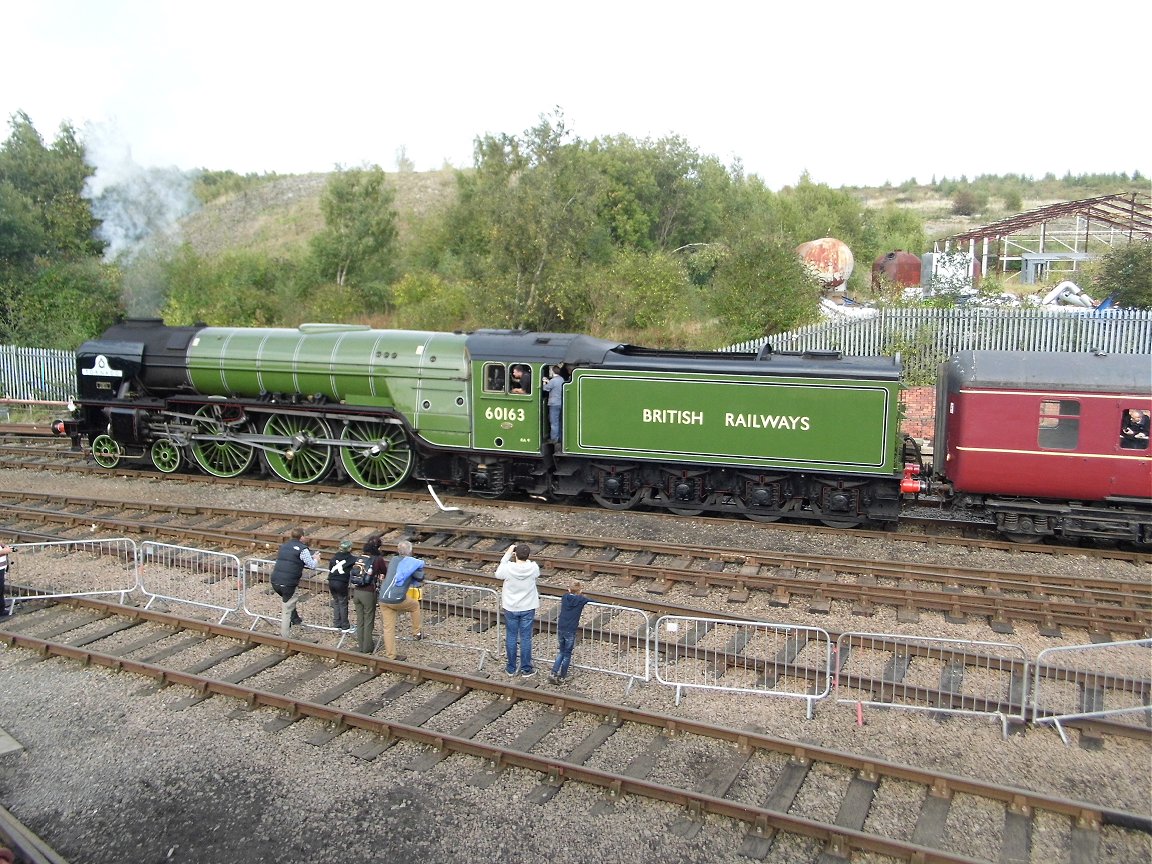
{"type": "Point", "coordinates": [219, 456]}
{"type": "Point", "coordinates": [106, 451]}
{"type": "Point", "coordinates": [302, 461]}
{"type": "Point", "coordinates": [166, 455]}
{"type": "Point", "coordinates": [382, 458]}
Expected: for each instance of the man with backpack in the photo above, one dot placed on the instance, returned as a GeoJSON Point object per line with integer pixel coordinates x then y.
{"type": "Point", "coordinates": [404, 573]}
{"type": "Point", "coordinates": [363, 582]}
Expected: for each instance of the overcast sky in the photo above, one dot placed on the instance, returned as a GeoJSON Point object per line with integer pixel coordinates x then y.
{"type": "Point", "coordinates": [852, 93]}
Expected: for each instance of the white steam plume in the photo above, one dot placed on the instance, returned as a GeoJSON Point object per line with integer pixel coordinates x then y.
{"type": "Point", "coordinates": [139, 209]}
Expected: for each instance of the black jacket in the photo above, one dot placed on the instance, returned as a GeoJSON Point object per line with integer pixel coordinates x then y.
{"type": "Point", "coordinates": [288, 569]}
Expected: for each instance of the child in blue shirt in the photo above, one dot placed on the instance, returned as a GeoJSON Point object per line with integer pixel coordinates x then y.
{"type": "Point", "coordinates": [571, 605]}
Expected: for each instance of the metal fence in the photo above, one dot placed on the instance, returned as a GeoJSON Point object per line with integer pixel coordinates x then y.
{"type": "Point", "coordinates": [947, 676]}
{"type": "Point", "coordinates": [927, 337]}
{"type": "Point", "coordinates": [74, 568]}
{"type": "Point", "coordinates": [181, 574]}
{"type": "Point", "coordinates": [37, 374]}
{"type": "Point", "coordinates": [1102, 680]}
{"type": "Point", "coordinates": [744, 656]}
{"type": "Point", "coordinates": [610, 639]}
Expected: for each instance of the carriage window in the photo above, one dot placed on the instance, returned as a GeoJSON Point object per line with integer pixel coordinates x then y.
{"type": "Point", "coordinates": [1134, 429]}
{"type": "Point", "coordinates": [494, 378]}
{"type": "Point", "coordinates": [1059, 424]}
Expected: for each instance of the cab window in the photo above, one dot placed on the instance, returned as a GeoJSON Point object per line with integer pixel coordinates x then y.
{"type": "Point", "coordinates": [520, 379]}
{"type": "Point", "coordinates": [1059, 424]}
{"type": "Point", "coordinates": [494, 378]}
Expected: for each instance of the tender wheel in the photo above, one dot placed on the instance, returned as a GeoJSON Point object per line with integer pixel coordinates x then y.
{"type": "Point", "coordinates": [301, 461]}
{"type": "Point", "coordinates": [763, 516]}
{"type": "Point", "coordinates": [1023, 538]}
{"type": "Point", "coordinates": [106, 451]}
{"type": "Point", "coordinates": [685, 511]}
{"type": "Point", "coordinates": [166, 455]}
{"type": "Point", "coordinates": [221, 456]}
{"type": "Point", "coordinates": [384, 460]}
{"type": "Point", "coordinates": [846, 522]}
{"type": "Point", "coordinates": [622, 501]}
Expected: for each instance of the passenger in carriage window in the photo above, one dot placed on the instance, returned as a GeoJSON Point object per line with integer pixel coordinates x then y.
{"type": "Point", "coordinates": [1134, 429]}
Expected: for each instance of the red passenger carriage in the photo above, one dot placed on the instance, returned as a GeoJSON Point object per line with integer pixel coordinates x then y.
{"type": "Point", "coordinates": [1039, 440]}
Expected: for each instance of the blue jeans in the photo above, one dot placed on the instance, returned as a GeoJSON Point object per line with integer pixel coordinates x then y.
{"type": "Point", "coordinates": [567, 643]}
{"type": "Point", "coordinates": [518, 628]}
{"type": "Point", "coordinates": [554, 421]}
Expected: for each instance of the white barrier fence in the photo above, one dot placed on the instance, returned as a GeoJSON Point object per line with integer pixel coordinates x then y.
{"type": "Point", "coordinates": [462, 616]}
{"type": "Point", "coordinates": [263, 605]}
{"type": "Point", "coordinates": [991, 679]}
{"type": "Point", "coordinates": [744, 656]}
{"type": "Point", "coordinates": [75, 568]}
{"type": "Point", "coordinates": [181, 574]}
{"type": "Point", "coordinates": [927, 674]}
{"type": "Point", "coordinates": [610, 639]}
{"type": "Point", "coordinates": [1102, 680]}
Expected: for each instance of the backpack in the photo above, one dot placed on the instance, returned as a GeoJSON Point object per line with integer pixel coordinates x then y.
{"type": "Point", "coordinates": [360, 575]}
{"type": "Point", "coordinates": [402, 573]}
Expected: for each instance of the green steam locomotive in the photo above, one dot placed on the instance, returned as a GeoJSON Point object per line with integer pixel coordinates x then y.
{"type": "Point", "coordinates": [811, 436]}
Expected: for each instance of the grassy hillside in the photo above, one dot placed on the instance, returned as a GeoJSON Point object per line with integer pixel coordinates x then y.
{"type": "Point", "coordinates": [281, 213]}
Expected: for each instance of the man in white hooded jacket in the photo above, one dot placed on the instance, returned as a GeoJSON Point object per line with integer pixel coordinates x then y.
{"type": "Point", "coordinates": [520, 600]}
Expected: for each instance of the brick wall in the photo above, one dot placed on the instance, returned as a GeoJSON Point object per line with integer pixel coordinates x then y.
{"type": "Point", "coordinates": [919, 412]}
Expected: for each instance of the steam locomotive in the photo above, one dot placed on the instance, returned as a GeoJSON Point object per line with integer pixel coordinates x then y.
{"type": "Point", "coordinates": [1034, 439]}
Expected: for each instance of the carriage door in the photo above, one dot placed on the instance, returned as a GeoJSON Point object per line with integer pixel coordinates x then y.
{"type": "Point", "coordinates": [507, 402]}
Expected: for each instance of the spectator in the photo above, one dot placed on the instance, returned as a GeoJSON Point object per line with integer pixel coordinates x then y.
{"type": "Point", "coordinates": [293, 557]}
{"type": "Point", "coordinates": [364, 598]}
{"type": "Point", "coordinates": [554, 387]}
{"type": "Point", "coordinates": [406, 572]}
{"type": "Point", "coordinates": [339, 569]}
{"type": "Point", "coordinates": [520, 600]}
{"type": "Point", "coordinates": [5, 557]}
{"type": "Point", "coordinates": [571, 605]}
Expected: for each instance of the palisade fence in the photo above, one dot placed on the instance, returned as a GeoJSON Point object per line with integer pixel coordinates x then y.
{"type": "Point", "coordinates": [926, 337]}
{"type": "Point", "coordinates": [37, 374]}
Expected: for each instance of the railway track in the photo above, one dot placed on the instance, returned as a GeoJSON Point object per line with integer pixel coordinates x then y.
{"type": "Point", "coordinates": [1106, 608]}
{"type": "Point", "coordinates": [50, 455]}
{"type": "Point", "coordinates": [835, 804]}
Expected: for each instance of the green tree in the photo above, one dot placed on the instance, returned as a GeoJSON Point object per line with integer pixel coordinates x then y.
{"type": "Point", "coordinates": [1125, 274]}
{"type": "Point", "coordinates": [760, 287]}
{"type": "Point", "coordinates": [41, 189]}
{"type": "Point", "coordinates": [358, 243]}
{"type": "Point", "coordinates": [526, 220]}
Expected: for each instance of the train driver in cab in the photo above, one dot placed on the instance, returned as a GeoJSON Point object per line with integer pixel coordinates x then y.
{"type": "Point", "coordinates": [521, 381]}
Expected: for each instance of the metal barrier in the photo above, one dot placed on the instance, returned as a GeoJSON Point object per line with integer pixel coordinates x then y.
{"type": "Point", "coordinates": [743, 656]}
{"type": "Point", "coordinates": [75, 568]}
{"type": "Point", "coordinates": [610, 639]}
{"type": "Point", "coordinates": [180, 574]}
{"type": "Point", "coordinates": [953, 676]}
{"type": "Point", "coordinates": [260, 603]}
{"type": "Point", "coordinates": [1080, 681]}
{"type": "Point", "coordinates": [462, 616]}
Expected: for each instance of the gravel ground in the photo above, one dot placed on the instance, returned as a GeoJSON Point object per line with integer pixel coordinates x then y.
{"type": "Point", "coordinates": [112, 773]}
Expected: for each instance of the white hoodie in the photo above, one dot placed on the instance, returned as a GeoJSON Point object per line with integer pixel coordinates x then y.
{"type": "Point", "coordinates": [519, 594]}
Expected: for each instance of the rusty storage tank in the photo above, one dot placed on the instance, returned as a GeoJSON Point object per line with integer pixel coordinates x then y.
{"type": "Point", "coordinates": [899, 267]}
{"type": "Point", "coordinates": [828, 259]}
